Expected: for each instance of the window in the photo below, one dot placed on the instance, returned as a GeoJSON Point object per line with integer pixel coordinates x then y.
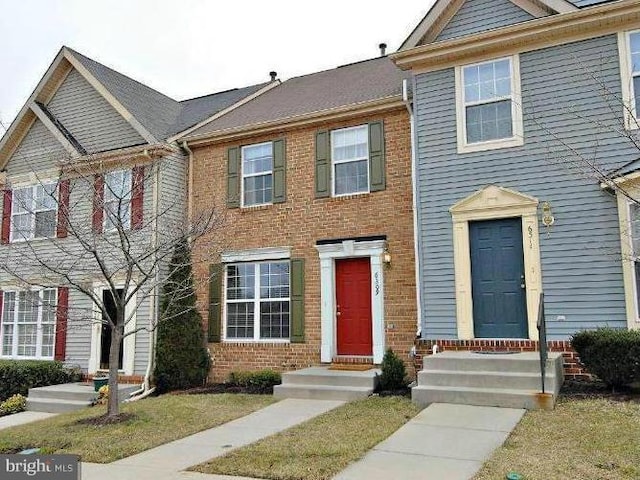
{"type": "Point", "coordinates": [629, 44]}
{"type": "Point", "coordinates": [257, 301]}
{"type": "Point", "coordinates": [117, 199]}
{"type": "Point", "coordinates": [634, 215]}
{"type": "Point", "coordinates": [350, 160]}
{"type": "Point", "coordinates": [28, 324]}
{"type": "Point", "coordinates": [487, 105]}
{"type": "Point", "coordinates": [257, 174]}
{"type": "Point", "coordinates": [34, 212]}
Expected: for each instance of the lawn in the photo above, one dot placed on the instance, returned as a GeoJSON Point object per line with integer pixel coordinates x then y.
{"type": "Point", "coordinates": [156, 421]}
{"type": "Point", "coordinates": [580, 439]}
{"type": "Point", "coordinates": [320, 447]}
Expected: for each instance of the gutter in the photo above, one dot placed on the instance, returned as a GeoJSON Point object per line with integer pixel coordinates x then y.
{"type": "Point", "coordinates": [414, 184]}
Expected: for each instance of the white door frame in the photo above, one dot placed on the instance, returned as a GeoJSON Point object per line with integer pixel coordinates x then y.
{"type": "Point", "coordinates": [350, 249]}
{"type": "Point", "coordinates": [129, 342]}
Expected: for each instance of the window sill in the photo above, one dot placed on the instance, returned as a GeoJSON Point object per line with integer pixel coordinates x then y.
{"type": "Point", "coordinates": [255, 208]}
{"type": "Point", "coordinates": [491, 145]}
{"type": "Point", "coordinates": [349, 196]}
{"type": "Point", "coordinates": [255, 343]}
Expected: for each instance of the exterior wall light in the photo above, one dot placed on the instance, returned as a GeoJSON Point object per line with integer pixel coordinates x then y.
{"type": "Point", "coordinates": [386, 256]}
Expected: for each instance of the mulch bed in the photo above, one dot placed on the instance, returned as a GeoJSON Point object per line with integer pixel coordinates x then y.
{"type": "Point", "coordinates": [225, 388]}
{"type": "Point", "coordinates": [403, 392]}
{"type": "Point", "coordinates": [595, 389]}
{"type": "Point", "coordinates": [106, 420]}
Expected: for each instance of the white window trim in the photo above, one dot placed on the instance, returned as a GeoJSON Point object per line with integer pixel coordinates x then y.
{"type": "Point", "coordinates": [339, 162]}
{"type": "Point", "coordinates": [631, 120]}
{"type": "Point", "coordinates": [256, 255]}
{"type": "Point", "coordinates": [249, 175]}
{"type": "Point", "coordinates": [32, 230]}
{"type": "Point", "coordinates": [104, 201]}
{"type": "Point", "coordinates": [256, 314]}
{"type": "Point", "coordinates": [632, 258]}
{"type": "Point", "coordinates": [14, 353]}
{"type": "Point", "coordinates": [516, 110]}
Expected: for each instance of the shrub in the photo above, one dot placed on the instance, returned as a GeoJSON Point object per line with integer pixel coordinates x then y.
{"type": "Point", "coordinates": [261, 381]}
{"type": "Point", "coordinates": [13, 404]}
{"type": "Point", "coordinates": [18, 376]}
{"type": "Point", "coordinates": [394, 373]}
{"type": "Point", "coordinates": [611, 355]}
{"type": "Point", "coordinates": [182, 359]}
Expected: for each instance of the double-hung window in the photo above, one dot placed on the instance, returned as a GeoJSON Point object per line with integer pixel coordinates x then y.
{"type": "Point", "coordinates": [34, 212]}
{"type": "Point", "coordinates": [28, 323]}
{"type": "Point", "coordinates": [350, 160]}
{"type": "Point", "coordinates": [629, 44]}
{"type": "Point", "coordinates": [488, 112]}
{"type": "Point", "coordinates": [257, 301]}
{"type": "Point", "coordinates": [257, 174]}
{"type": "Point", "coordinates": [118, 191]}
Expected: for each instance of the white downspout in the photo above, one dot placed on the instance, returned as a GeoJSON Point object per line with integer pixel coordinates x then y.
{"type": "Point", "coordinates": [145, 389]}
{"type": "Point", "coordinates": [414, 182]}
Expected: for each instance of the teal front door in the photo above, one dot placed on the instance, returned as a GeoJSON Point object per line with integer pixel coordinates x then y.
{"type": "Point", "coordinates": [497, 273]}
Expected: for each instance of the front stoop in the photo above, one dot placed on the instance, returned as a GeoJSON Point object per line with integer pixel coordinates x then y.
{"type": "Point", "coordinates": [68, 397]}
{"type": "Point", "coordinates": [495, 380]}
{"type": "Point", "coordinates": [320, 383]}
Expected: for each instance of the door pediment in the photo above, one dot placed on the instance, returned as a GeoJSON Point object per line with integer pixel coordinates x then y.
{"type": "Point", "coordinates": [495, 198]}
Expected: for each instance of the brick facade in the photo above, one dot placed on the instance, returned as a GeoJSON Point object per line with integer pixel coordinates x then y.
{"type": "Point", "coordinates": [299, 223]}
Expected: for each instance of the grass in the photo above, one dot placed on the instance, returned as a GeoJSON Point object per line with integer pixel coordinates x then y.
{"type": "Point", "coordinates": [321, 447]}
{"type": "Point", "coordinates": [157, 421]}
{"type": "Point", "coordinates": [580, 439]}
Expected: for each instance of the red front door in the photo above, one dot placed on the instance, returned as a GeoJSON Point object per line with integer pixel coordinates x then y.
{"type": "Point", "coordinates": [353, 306]}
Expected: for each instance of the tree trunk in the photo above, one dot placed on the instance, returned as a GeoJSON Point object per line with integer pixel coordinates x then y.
{"type": "Point", "coordinates": [113, 406]}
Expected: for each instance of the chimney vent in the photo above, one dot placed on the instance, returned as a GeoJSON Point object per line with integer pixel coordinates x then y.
{"type": "Point", "coordinates": [383, 49]}
{"type": "Point", "coordinates": [273, 75]}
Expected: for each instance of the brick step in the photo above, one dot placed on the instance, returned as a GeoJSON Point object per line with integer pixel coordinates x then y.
{"type": "Point", "coordinates": [321, 392]}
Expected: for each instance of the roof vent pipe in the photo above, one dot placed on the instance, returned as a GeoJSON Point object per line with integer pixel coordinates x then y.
{"type": "Point", "coordinates": [383, 49]}
{"type": "Point", "coordinates": [273, 75]}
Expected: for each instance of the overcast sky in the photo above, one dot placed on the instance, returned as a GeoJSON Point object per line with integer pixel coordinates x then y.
{"type": "Point", "coordinates": [189, 48]}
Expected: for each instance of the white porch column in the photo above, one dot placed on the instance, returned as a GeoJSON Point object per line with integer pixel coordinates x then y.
{"type": "Point", "coordinates": [327, 309]}
{"type": "Point", "coordinates": [377, 304]}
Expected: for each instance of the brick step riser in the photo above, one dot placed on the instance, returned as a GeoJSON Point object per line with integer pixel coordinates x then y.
{"type": "Point", "coordinates": [485, 380]}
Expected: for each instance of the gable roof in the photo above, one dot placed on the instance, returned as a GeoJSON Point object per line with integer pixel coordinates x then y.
{"type": "Point", "coordinates": [314, 94]}
{"type": "Point", "coordinates": [153, 115]}
{"type": "Point", "coordinates": [443, 11]}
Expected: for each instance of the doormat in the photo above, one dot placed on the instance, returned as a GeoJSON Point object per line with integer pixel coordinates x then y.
{"type": "Point", "coordinates": [351, 367]}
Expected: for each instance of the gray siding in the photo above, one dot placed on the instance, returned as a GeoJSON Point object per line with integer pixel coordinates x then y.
{"type": "Point", "coordinates": [589, 3]}
{"type": "Point", "coordinates": [480, 15]}
{"type": "Point", "coordinates": [563, 100]}
{"type": "Point", "coordinates": [38, 151]}
{"type": "Point", "coordinates": [90, 118]}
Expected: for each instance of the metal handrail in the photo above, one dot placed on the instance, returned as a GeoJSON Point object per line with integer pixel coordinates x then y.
{"type": "Point", "coordinates": [542, 340]}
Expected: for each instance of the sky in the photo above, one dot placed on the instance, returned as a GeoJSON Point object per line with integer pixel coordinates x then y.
{"type": "Point", "coordinates": [190, 48]}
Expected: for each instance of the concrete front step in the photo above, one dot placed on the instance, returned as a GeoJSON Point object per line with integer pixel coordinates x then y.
{"type": "Point", "coordinates": [526, 362]}
{"type": "Point", "coordinates": [488, 397]}
{"type": "Point", "coordinates": [55, 405]}
{"type": "Point", "coordinates": [320, 383]}
{"type": "Point", "coordinates": [68, 397]}
{"type": "Point", "coordinates": [489, 379]}
{"type": "Point", "coordinates": [321, 392]}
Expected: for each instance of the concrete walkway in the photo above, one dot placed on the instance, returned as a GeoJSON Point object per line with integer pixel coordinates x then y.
{"type": "Point", "coordinates": [443, 442]}
{"type": "Point", "coordinates": [22, 418]}
{"type": "Point", "coordinates": [166, 461]}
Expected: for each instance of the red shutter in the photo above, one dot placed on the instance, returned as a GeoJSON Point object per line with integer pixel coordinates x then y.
{"type": "Point", "coordinates": [61, 324]}
{"type": "Point", "coordinates": [137, 198]}
{"type": "Point", "coordinates": [98, 203]}
{"type": "Point", "coordinates": [6, 216]}
{"type": "Point", "coordinates": [63, 209]}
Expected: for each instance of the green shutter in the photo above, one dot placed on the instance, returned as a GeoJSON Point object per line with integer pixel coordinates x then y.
{"type": "Point", "coordinates": [279, 172]}
{"type": "Point", "coordinates": [323, 165]}
{"type": "Point", "coordinates": [233, 177]}
{"type": "Point", "coordinates": [215, 302]}
{"type": "Point", "coordinates": [376, 157]}
{"type": "Point", "coordinates": [297, 300]}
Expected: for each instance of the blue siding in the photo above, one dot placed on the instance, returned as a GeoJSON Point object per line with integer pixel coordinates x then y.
{"type": "Point", "coordinates": [479, 15]}
{"type": "Point", "coordinates": [582, 272]}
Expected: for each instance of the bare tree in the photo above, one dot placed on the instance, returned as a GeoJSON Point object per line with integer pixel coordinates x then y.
{"type": "Point", "coordinates": [107, 222]}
